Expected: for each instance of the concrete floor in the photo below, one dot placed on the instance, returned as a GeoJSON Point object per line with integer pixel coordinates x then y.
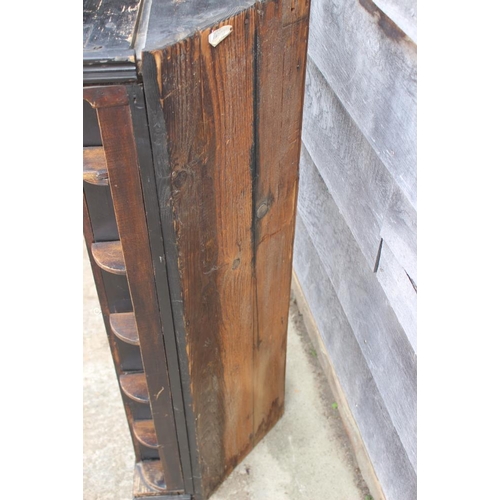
{"type": "Point", "coordinates": [306, 456]}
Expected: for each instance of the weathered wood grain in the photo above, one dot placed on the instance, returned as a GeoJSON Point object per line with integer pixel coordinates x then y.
{"type": "Point", "coordinates": [400, 292]}
{"type": "Point", "coordinates": [108, 255]}
{"type": "Point", "coordinates": [228, 180]}
{"type": "Point", "coordinates": [371, 66]}
{"type": "Point", "coordinates": [207, 97]}
{"type": "Point", "coordinates": [121, 157]}
{"type": "Point", "coordinates": [94, 166]}
{"type": "Point", "coordinates": [393, 468]}
{"type": "Point", "coordinates": [356, 178]}
{"type": "Point", "coordinates": [400, 232]}
{"type": "Point", "coordinates": [384, 344]}
{"type": "Point", "coordinates": [282, 31]}
{"type": "Point", "coordinates": [401, 12]}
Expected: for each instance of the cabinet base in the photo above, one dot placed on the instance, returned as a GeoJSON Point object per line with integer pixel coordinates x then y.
{"type": "Point", "coordinates": [148, 484]}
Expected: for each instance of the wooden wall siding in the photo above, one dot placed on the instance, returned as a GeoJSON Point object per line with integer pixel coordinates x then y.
{"type": "Point", "coordinates": [403, 13]}
{"type": "Point", "coordinates": [371, 202]}
{"type": "Point", "coordinates": [384, 344]}
{"type": "Point", "coordinates": [356, 236]}
{"type": "Point", "coordinates": [389, 458]}
{"type": "Point", "coordinates": [370, 64]}
{"type": "Point", "coordinates": [355, 176]}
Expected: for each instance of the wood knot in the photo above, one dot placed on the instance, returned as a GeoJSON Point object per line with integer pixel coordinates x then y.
{"type": "Point", "coordinates": [180, 179]}
{"type": "Point", "coordinates": [262, 210]}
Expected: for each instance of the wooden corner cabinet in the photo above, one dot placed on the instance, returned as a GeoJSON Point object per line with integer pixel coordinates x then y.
{"type": "Point", "coordinates": [192, 116]}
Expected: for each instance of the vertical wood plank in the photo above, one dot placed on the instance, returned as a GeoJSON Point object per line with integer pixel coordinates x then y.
{"type": "Point", "coordinates": [226, 162]}
{"type": "Point", "coordinates": [121, 158]}
{"type": "Point", "coordinates": [281, 59]}
{"type": "Point", "coordinates": [163, 283]}
{"type": "Point", "coordinates": [207, 97]}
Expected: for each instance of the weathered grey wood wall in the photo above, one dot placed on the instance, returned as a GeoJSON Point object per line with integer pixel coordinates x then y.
{"type": "Point", "coordinates": [355, 244]}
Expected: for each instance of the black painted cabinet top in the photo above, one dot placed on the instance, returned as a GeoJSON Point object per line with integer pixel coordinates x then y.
{"type": "Point", "coordinates": [109, 35]}
{"type": "Point", "coordinates": [115, 32]}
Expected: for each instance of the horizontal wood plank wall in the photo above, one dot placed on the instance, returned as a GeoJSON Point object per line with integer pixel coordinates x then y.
{"type": "Point", "coordinates": [370, 64]}
{"type": "Point", "coordinates": [356, 236]}
{"type": "Point", "coordinates": [388, 456]}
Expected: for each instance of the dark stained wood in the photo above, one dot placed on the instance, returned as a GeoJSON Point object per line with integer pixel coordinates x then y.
{"type": "Point", "coordinates": [108, 256]}
{"type": "Point", "coordinates": [121, 158]}
{"type": "Point", "coordinates": [144, 431]}
{"type": "Point", "coordinates": [232, 117]}
{"type": "Point", "coordinates": [135, 387]}
{"type": "Point", "coordinates": [169, 251]}
{"type": "Point", "coordinates": [94, 166]}
{"type": "Point", "coordinates": [281, 58]}
{"type": "Point", "coordinates": [106, 96]}
{"type": "Point", "coordinates": [123, 325]}
{"type": "Point", "coordinates": [229, 130]}
{"type": "Point", "coordinates": [103, 301]}
{"type": "Point", "coordinates": [210, 92]}
{"type": "Point", "coordinates": [176, 365]}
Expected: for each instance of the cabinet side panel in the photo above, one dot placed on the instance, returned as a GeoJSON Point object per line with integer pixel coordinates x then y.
{"type": "Point", "coordinates": [207, 98]}
{"type": "Point", "coordinates": [226, 143]}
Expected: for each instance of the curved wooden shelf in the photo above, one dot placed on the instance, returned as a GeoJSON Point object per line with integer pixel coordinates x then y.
{"type": "Point", "coordinates": [108, 255]}
{"type": "Point", "coordinates": [135, 387]}
{"type": "Point", "coordinates": [151, 472]}
{"type": "Point", "coordinates": [94, 166]}
{"type": "Point", "coordinates": [144, 431]}
{"type": "Point", "coordinates": [123, 325]}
